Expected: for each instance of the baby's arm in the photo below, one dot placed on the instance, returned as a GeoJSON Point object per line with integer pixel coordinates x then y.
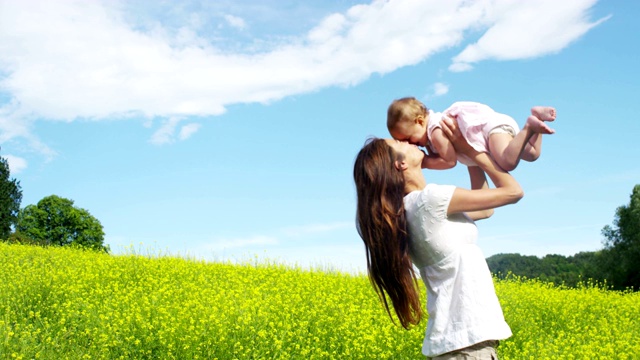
{"type": "Point", "coordinates": [434, 162]}
{"type": "Point", "coordinates": [446, 157]}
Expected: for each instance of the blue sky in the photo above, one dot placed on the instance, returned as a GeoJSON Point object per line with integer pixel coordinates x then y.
{"type": "Point", "coordinates": [227, 130]}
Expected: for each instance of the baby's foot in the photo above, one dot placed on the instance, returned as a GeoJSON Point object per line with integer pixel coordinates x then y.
{"type": "Point", "coordinates": [538, 126]}
{"type": "Point", "coordinates": [544, 113]}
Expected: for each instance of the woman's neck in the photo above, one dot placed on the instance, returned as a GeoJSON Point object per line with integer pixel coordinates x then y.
{"type": "Point", "coordinates": [414, 180]}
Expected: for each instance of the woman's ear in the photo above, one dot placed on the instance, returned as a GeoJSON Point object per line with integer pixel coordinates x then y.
{"type": "Point", "coordinates": [400, 165]}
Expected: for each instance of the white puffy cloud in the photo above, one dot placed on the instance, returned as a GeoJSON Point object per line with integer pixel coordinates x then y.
{"type": "Point", "coordinates": [16, 164]}
{"type": "Point", "coordinates": [66, 60]}
{"type": "Point", "coordinates": [528, 29]}
{"type": "Point", "coordinates": [235, 22]}
{"type": "Point", "coordinates": [188, 130]}
{"type": "Point", "coordinates": [440, 89]}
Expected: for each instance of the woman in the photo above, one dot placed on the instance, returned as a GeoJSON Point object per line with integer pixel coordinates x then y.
{"type": "Point", "coordinates": [405, 221]}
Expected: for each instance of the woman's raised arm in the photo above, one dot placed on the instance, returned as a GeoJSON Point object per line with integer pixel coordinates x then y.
{"type": "Point", "coordinates": [507, 190]}
{"type": "Point", "coordinates": [478, 182]}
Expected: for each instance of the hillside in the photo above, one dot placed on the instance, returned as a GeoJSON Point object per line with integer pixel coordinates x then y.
{"type": "Point", "coordinates": [62, 303]}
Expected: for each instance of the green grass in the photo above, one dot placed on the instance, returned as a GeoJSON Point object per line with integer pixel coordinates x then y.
{"type": "Point", "coordinates": [61, 303]}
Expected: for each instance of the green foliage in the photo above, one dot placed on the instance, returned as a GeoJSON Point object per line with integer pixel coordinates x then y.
{"type": "Point", "coordinates": [621, 260]}
{"type": "Point", "coordinates": [55, 221]}
{"type": "Point", "coordinates": [10, 198]}
{"type": "Point", "coordinates": [20, 238]}
{"type": "Point", "coordinates": [61, 303]}
{"type": "Point", "coordinates": [590, 265]}
{"type": "Point", "coordinates": [558, 269]}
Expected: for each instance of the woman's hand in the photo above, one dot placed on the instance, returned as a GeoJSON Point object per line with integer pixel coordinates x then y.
{"type": "Point", "coordinates": [450, 128]}
{"type": "Point", "coordinates": [507, 190]}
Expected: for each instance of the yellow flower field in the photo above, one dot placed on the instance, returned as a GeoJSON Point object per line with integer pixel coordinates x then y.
{"type": "Point", "coordinates": [61, 303]}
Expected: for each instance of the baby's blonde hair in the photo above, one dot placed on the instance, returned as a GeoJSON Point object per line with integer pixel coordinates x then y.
{"type": "Point", "coordinates": [405, 109]}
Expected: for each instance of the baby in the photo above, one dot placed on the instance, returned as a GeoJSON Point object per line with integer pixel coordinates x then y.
{"type": "Point", "coordinates": [498, 134]}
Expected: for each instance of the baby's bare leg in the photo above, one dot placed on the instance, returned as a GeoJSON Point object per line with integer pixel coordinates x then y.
{"type": "Point", "coordinates": [544, 113]}
{"type": "Point", "coordinates": [507, 150]}
{"type": "Point", "coordinates": [533, 149]}
{"type": "Point", "coordinates": [505, 155]}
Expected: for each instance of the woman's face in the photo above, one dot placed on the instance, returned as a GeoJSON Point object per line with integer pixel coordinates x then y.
{"type": "Point", "coordinates": [412, 154]}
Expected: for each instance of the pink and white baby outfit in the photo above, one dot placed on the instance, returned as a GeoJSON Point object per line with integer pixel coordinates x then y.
{"type": "Point", "coordinates": [476, 122]}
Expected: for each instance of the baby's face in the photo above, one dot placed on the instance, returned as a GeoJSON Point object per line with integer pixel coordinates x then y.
{"type": "Point", "coordinates": [413, 132]}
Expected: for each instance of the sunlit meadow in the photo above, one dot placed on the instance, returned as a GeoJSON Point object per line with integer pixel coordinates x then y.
{"type": "Point", "coordinates": [61, 303]}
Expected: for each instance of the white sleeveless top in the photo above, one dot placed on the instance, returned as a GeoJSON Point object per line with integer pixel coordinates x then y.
{"type": "Point", "coordinates": [461, 301]}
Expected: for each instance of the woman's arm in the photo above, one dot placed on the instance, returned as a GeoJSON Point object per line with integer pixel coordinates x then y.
{"type": "Point", "coordinates": [507, 190]}
{"type": "Point", "coordinates": [478, 182]}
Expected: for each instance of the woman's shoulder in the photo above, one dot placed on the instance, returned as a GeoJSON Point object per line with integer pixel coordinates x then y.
{"type": "Point", "coordinates": [433, 199]}
{"type": "Point", "coordinates": [440, 195]}
{"type": "Point", "coordinates": [437, 188]}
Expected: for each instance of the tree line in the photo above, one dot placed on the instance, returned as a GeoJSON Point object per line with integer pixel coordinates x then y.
{"type": "Point", "coordinates": [616, 265]}
{"type": "Point", "coordinates": [558, 269]}
{"type": "Point", "coordinates": [53, 221]}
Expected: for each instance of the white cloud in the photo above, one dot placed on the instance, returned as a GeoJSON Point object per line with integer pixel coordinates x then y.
{"type": "Point", "coordinates": [165, 134]}
{"type": "Point", "coordinates": [460, 67]}
{"type": "Point", "coordinates": [188, 130]}
{"type": "Point", "coordinates": [235, 22]}
{"type": "Point", "coordinates": [440, 89]}
{"type": "Point", "coordinates": [528, 29]}
{"type": "Point", "coordinates": [16, 122]}
{"type": "Point", "coordinates": [66, 60]}
{"type": "Point", "coordinates": [331, 25]}
{"type": "Point", "coordinates": [16, 164]}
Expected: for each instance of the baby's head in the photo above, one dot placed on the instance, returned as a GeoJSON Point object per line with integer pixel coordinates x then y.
{"type": "Point", "coordinates": [407, 121]}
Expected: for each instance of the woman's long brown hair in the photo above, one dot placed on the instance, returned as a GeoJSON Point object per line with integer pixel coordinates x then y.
{"type": "Point", "coordinates": [382, 225]}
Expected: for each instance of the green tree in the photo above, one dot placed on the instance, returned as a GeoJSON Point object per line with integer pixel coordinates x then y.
{"type": "Point", "coordinates": [55, 221]}
{"type": "Point", "coordinates": [622, 245]}
{"type": "Point", "coordinates": [520, 265]}
{"type": "Point", "coordinates": [559, 269]}
{"type": "Point", "coordinates": [10, 198]}
{"type": "Point", "coordinates": [590, 263]}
